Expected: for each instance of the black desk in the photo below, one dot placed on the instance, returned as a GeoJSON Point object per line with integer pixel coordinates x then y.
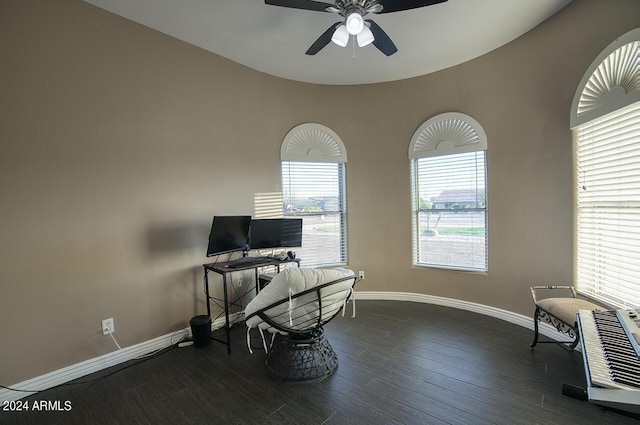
{"type": "Point", "coordinates": [226, 267]}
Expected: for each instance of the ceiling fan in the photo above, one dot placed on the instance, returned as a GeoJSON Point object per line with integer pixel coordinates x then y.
{"type": "Point", "coordinates": [366, 31]}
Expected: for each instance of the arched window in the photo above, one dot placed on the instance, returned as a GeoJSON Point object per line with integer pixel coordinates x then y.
{"type": "Point", "coordinates": [314, 188]}
{"type": "Point", "coordinates": [605, 119]}
{"type": "Point", "coordinates": [449, 193]}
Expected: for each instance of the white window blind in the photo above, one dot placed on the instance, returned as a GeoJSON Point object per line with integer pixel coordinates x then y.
{"type": "Point", "coordinates": [608, 216]}
{"type": "Point", "coordinates": [315, 191]}
{"type": "Point", "coordinates": [450, 220]}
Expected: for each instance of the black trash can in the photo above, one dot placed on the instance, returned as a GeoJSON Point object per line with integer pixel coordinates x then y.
{"type": "Point", "coordinates": [201, 330]}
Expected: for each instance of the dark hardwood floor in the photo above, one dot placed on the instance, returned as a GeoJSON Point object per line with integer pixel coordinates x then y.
{"type": "Point", "coordinates": [400, 363]}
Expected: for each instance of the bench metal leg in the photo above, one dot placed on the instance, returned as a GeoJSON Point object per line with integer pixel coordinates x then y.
{"type": "Point", "coordinates": [576, 341]}
{"type": "Point", "coordinates": [560, 325]}
{"type": "Point", "coordinates": [535, 328]}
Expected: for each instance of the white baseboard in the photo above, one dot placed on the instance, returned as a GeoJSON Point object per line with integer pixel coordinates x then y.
{"type": "Point", "coordinates": [105, 361]}
{"type": "Point", "coordinates": [508, 316]}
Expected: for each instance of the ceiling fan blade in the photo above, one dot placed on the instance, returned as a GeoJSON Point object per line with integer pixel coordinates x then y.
{"type": "Point", "coordinates": [322, 41]}
{"type": "Point", "coordinates": [381, 39]}
{"type": "Point", "coordinates": [400, 5]}
{"type": "Point", "coordinates": [300, 4]}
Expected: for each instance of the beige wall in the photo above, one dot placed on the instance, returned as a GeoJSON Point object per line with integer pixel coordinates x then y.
{"type": "Point", "coordinates": [118, 144]}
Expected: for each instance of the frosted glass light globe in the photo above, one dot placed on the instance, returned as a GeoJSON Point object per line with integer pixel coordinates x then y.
{"type": "Point", "coordinates": [341, 36]}
{"type": "Point", "coordinates": [354, 23]}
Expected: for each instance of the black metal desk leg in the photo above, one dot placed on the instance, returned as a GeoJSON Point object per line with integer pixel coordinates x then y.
{"type": "Point", "coordinates": [226, 313]}
{"type": "Point", "coordinates": [206, 290]}
{"type": "Point", "coordinates": [257, 282]}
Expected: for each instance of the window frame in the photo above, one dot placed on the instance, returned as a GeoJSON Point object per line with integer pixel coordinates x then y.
{"type": "Point", "coordinates": [604, 206]}
{"type": "Point", "coordinates": [316, 143]}
{"type": "Point", "coordinates": [340, 213]}
{"type": "Point", "coordinates": [444, 135]}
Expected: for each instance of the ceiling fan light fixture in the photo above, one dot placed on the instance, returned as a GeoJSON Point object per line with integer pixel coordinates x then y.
{"type": "Point", "coordinates": [354, 23]}
{"type": "Point", "coordinates": [340, 36]}
{"type": "Point", "coordinates": [365, 37]}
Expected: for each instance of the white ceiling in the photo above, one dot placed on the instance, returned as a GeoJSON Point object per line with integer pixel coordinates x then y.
{"type": "Point", "coordinates": [273, 39]}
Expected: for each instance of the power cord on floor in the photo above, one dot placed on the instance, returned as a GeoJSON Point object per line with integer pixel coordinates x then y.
{"type": "Point", "coordinates": [134, 361]}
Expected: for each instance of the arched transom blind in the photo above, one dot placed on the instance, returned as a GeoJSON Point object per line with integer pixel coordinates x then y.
{"type": "Point", "coordinates": [314, 188]}
{"type": "Point", "coordinates": [313, 142]}
{"type": "Point", "coordinates": [448, 167]}
{"type": "Point", "coordinates": [608, 192]}
{"type": "Point", "coordinates": [452, 132]}
{"type": "Point", "coordinates": [612, 81]}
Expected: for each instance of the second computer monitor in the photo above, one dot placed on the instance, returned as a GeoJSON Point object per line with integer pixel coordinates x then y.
{"type": "Point", "coordinates": [276, 233]}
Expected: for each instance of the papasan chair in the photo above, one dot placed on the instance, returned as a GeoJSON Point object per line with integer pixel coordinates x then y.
{"type": "Point", "coordinates": [294, 307]}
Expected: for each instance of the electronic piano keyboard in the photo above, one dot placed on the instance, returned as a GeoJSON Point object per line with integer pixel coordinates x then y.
{"type": "Point", "coordinates": [611, 354]}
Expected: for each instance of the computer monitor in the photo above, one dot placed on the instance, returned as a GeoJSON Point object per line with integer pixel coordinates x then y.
{"type": "Point", "coordinates": [228, 234]}
{"type": "Point", "coordinates": [276, 233]}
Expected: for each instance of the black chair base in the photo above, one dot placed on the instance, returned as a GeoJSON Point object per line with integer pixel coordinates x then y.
{"type": "Point", "coordinates": [301, 358]}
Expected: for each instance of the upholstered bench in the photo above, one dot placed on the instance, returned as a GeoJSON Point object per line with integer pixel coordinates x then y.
{"type": "Point", "coordinates": [559, 309]}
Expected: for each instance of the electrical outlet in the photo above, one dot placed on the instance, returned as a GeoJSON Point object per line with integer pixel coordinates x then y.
{"type": "Point", "coordinates": [361, 275]}
{"type": "Point", "coordinates": [108, 326]}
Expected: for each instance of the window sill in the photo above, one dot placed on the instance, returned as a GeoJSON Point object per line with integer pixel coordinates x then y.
{"type": "Point", "coordinates": [452, 269]}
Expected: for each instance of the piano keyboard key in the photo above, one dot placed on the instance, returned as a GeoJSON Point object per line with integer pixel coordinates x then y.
{"type": "Point", "coordinates": [620, 356]}
{"type": "Point", "coordinates": [596, 359]}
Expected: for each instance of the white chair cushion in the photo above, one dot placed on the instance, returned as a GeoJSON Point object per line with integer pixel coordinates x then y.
{"type": "Point", "coordinates": [566, 309]}
{"type": "Point", "coordinates": [295, 280]}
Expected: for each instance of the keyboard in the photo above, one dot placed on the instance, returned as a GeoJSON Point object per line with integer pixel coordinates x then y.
{"type": "Point", "coordinates": [612, 366]}
{"type": "Point", "coordinates": [248, 262]}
